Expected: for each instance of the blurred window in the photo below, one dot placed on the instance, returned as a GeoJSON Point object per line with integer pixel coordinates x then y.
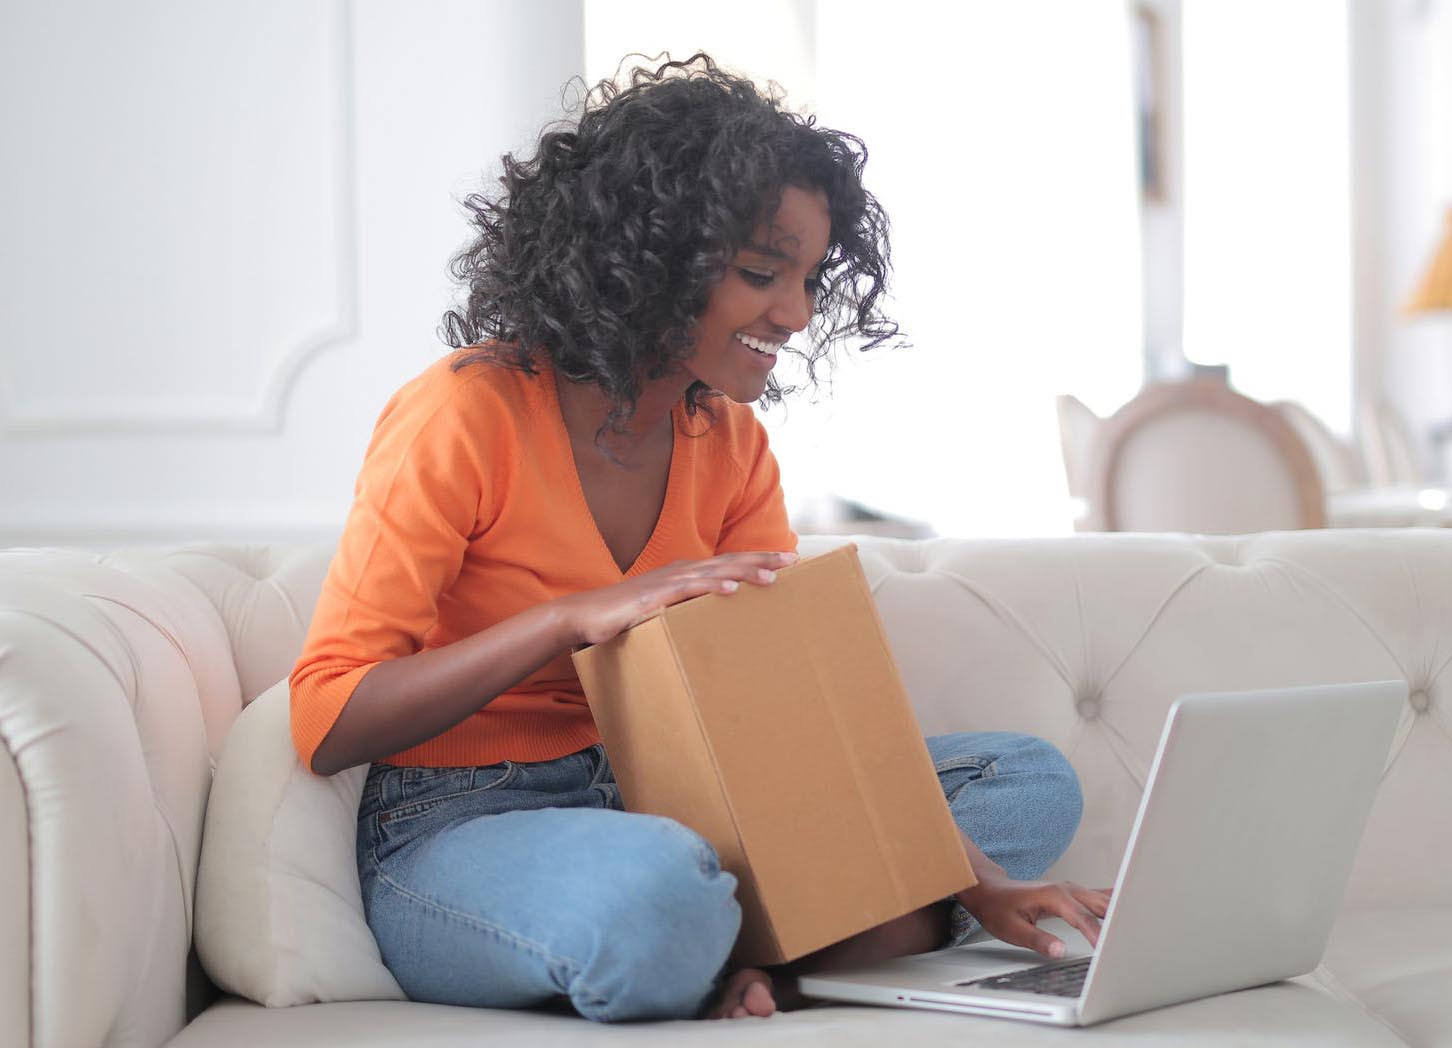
{"type": "Point", "coordinates": [1002, 148]}
{"type": "Point", "coordinates": [1267, 198]}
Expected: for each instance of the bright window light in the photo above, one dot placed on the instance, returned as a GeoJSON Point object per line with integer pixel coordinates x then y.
{"type": "Point", "coordinates": [1004, 154]}
{"type": "Point", "coordinates": [1267, 198]}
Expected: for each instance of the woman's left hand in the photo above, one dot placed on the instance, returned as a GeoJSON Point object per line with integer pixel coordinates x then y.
{"type": "Point", "coordinates": [1010, 909]}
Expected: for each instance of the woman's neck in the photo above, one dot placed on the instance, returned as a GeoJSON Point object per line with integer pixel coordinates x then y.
{"type": "Point", "coordinates": [585, 408]}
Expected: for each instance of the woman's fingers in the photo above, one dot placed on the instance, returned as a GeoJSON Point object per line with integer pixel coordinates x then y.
{"type": "Point", "coordinates": [1011, 910]}
{"type": "Point", "coordinates": [1094, 899]}
{"type": "Point", "coordinates": [758, 568]}
{"type": "Point", "coordinates": [1080, 917]}
{"type": "Point", "coordinates": [1052, 900]}
{"type": "Point", "coordinates": [693, 586]}
{"type": "Point", "coordinates": [683, 580]}
{"type": "Point", "coordinates": [1037, 939]}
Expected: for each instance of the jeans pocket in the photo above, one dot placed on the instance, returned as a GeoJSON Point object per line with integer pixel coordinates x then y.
{"type": "Point", "coordinates": [424, 789]}
{"type": "Point", "coordinates": [957, 772]}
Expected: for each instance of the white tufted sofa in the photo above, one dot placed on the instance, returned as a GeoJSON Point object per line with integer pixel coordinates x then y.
{"type": "Point", "coordinates": [120, 676]}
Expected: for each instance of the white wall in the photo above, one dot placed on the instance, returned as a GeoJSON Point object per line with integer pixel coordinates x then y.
{"type": "Point", "coordinates": [1401, 67]}
{"type": "Point", "coordinates": [226, 245]}
{"type": "Point", "coordinates": [766, 40]}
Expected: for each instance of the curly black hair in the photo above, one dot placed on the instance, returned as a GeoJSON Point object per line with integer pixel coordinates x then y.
{"type": "Point", "coordinates": [605, 246]}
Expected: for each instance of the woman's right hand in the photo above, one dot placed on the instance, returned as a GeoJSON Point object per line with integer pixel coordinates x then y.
{"type": "Point", "coordinates": [595, 616]}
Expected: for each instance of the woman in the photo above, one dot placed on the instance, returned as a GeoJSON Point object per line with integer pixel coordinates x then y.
{"type": "Point", "coordinates": [587, 456]}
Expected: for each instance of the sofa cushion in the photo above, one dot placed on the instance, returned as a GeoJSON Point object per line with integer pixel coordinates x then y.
{"type": "Point", "coordinates": [279, 913]}
{"type": "Point", "coordinates": [1397, 963]}
{"type": "Point", "coordinates": [1294, 1014]}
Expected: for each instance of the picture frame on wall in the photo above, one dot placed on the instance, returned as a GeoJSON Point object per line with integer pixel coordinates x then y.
{"type": "Point", "coordinates": [1147, 52]}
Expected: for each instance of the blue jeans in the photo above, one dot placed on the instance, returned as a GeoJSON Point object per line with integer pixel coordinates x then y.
{"type": "Point", "coordinates": [507, 885]}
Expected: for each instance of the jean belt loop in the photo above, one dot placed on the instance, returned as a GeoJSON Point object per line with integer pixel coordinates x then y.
{"type": "Point", "coordinates": [602, 764]}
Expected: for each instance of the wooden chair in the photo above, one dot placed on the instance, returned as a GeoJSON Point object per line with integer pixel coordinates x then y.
{"type": "Point", "coordinates": [1337, 462]}
{"type": "Point", "coordinates": [1078, 426]}
{"type": "Point", "coordinates": [1197, 457]}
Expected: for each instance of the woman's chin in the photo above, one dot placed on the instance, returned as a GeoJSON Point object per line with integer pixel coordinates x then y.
{"type": "Point", "coordinates": [744, 393]}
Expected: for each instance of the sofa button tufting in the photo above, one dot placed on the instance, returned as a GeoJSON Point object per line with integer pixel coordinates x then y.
{"type": "Point", "coordinates": [1420, 700]}
{"type": "Point", "coordinates": [1088, 708]}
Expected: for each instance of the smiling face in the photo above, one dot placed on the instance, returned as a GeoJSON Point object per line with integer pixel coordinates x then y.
{"type": "Point", "coordinates": [766, 295]}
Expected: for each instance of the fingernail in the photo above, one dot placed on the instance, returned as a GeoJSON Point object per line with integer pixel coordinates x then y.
{"type": "Point", "coordinates": [789, 558]}
{"type": "Point", "coordinates": [1056, 950]}
{"type": "Point", "coordinates": [731, 585]}
{"type": "Point", "coordinates": [766, 576]}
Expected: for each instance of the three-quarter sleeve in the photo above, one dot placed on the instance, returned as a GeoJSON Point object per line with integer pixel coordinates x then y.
{"type": "Point", "coordinates": [756, 520]}
{"type": "Point", "coordinates": [418, 500]}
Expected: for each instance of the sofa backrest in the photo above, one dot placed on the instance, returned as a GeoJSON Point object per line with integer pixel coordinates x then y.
{"type": "Point", "coordinates": [1087, 641]}
{"type": "Point", "coordinates": [120, 674]}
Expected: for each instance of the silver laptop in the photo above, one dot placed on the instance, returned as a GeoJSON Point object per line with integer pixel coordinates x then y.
{"type": "Point", "coordinates": [1234, 872]}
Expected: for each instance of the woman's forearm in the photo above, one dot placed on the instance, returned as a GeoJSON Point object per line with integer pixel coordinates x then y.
{"type": "Point", "coordinates": [405, 701]}
{"type": "Point", "coordinates": [984, 868]}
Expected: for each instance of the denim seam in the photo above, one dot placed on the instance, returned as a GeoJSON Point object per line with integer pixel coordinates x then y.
{"type": "Point", "coordinates": [986, 770]}
{"type": "Point", "coordinates": [408, 811]}
{"type": "Point", "coordinates": [959, 763]}
{"type": "Point", "coordinates": [505, 936]}
{"type": "Point", "coordinates": [420, 807]}
{"type": "Point", "coordinates": [599, 778]}
{"type": "Point", "coordinates": [608, 792]}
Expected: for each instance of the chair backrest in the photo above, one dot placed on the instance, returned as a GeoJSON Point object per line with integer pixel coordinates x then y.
{"type": "Point", "coordinates": [1336, 461]}
{"type": "Point", "coordinates": [1078, 426]}
{"type": "Point", "coordinates": [1197, 457]}
{"type": "Point", "coordinates": [1387, 446]}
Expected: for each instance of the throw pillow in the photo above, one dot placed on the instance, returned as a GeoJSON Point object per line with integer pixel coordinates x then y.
{"type": "Point", "coordinates": [279, 912]}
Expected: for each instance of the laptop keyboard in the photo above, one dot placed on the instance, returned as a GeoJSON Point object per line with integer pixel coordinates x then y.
{"type": "Point", "coordinates": [1065, 979]}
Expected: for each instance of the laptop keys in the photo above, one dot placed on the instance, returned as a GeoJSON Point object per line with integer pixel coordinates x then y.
{"type": "Point", "coordinates": [1063, 979]}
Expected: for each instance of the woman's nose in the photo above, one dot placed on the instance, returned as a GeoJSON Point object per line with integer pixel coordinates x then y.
{"type": "Point", "coordinates": [793, 310]}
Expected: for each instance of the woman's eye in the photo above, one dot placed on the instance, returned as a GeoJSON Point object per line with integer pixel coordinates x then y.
{"type": "Point", "coordinates": [756, 279]}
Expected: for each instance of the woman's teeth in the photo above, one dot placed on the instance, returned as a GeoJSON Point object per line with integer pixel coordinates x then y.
{"type": "Point", "coordinates": [764, 348]}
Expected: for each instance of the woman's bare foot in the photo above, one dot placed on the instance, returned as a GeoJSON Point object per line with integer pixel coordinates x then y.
{"type": "Point", "coordinates": [746, 993]}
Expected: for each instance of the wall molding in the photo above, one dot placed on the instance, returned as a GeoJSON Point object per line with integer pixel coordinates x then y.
{"type": "Point", "coordinates": [265, 414]}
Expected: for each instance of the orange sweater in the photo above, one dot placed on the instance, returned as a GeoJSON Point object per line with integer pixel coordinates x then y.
{"type": "Point", "coordinates": [468, 510]}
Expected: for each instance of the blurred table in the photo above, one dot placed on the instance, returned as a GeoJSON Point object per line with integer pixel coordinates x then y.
{"type": "Point", "coordinates": [1405, 506]}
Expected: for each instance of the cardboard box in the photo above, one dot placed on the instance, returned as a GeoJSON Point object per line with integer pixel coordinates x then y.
{"type": "Point", "coordinates": [773, 722]}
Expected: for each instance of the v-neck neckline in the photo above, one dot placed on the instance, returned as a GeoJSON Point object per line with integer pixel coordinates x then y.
{"type": "Point", "coordinates": [659, 530]}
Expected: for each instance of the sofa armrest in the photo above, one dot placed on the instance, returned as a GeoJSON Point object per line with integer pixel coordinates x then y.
{"type": "Point", "coordinates": [14, 905]}
{"type": "Point", "coordinates": [103, 786]}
